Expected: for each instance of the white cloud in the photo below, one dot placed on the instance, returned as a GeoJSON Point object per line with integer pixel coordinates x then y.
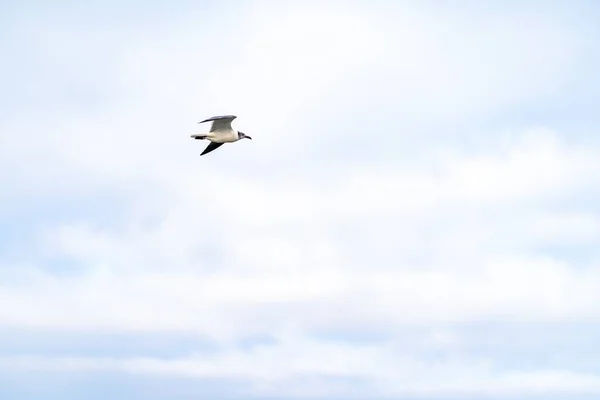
{"type": "Point", "coordinates": [269, 237]}
{"type": "Point", "coordinates": [424, 247]}
{"type": "Point", "coordinates": [296, 367]}
{"type": "Point", "coordinates": [286, 82]}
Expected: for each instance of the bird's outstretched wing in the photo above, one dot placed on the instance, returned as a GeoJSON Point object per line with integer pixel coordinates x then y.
{"type": "Point", "coordinates": [220, 122]}
{"type": "Point", "coordinates": [211, 146]}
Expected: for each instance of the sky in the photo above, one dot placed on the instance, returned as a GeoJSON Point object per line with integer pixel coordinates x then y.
{"type": "Point", "coordinates": [416, 217]}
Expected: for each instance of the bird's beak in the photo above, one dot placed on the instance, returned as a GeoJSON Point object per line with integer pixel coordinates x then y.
{"type": "Point", "coordinates": [248, 137]}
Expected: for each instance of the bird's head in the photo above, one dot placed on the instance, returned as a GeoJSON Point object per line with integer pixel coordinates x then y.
{"type": "Point", "coordinates": [242, 135]}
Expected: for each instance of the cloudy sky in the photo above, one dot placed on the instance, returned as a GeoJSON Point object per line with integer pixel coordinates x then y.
{"type": "Point", "coordinates": [417, 216]}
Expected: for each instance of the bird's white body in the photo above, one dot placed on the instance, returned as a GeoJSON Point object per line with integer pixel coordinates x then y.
{"type": "Point", "coordinates": [222, 136]}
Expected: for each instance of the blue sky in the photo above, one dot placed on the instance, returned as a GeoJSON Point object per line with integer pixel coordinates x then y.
{"type": "Point", "coordinates": [416, 218]}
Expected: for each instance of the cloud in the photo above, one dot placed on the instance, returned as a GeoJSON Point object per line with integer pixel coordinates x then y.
{"type": "Point", "coordinates": [457, 262]}
{"type": "Point", "coordinates": [401, 177]}
{"type": "Point", "coordinates": [294, 367]}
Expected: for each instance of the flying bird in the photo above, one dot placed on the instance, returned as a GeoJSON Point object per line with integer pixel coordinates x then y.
{"type": "Point", "coordinates": [220, 133]}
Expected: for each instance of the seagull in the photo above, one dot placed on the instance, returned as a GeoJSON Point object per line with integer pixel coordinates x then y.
{"type": "Point", "coordinates": [220, 133]}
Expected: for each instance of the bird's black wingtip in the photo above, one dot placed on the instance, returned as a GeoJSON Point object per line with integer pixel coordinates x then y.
{"type": "Point", "coordinates": [211, 146]}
